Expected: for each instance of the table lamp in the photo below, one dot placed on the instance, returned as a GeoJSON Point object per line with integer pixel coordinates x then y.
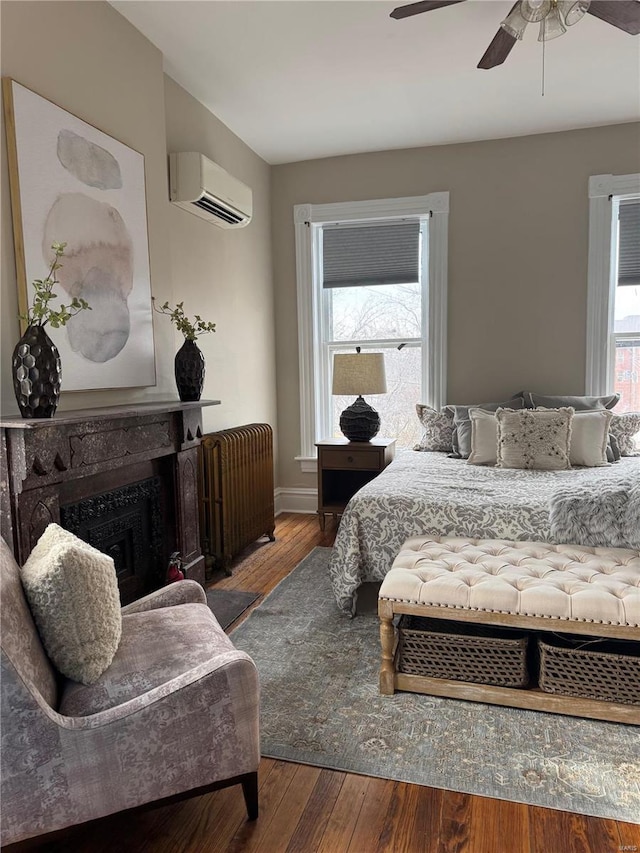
{"type": "Point", "coordinates": [359, 373]}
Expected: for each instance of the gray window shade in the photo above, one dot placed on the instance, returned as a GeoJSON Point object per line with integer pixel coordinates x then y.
{"type": "Point", "coordinates": [629, 245]}
{"type": "Point", "coordinates": [371, 254]}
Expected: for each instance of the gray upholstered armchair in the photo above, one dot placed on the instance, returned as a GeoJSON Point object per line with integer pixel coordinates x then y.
{"type": "Point", "coordinates": [176, 713]}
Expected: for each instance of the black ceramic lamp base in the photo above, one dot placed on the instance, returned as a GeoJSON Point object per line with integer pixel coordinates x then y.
{"type": "Point", "coordinates": [359, 422]}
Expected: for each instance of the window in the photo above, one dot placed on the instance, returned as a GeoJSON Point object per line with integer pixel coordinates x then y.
{"type": "Point", "coordinates": [613, 308]}
{"type": "Point", "coordinates": [626, 303]}
{"type": "Point", "coordinates": [372, 275]}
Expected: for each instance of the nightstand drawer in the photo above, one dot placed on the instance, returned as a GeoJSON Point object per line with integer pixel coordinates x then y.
{"type": "Point", "coordinates": [362, 460]}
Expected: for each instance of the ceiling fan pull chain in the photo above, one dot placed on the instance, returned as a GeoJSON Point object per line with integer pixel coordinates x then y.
{"type": "Point", "coordinates": [543, 45]}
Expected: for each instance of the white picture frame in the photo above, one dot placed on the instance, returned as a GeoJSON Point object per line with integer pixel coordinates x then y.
{"type": "Point", "coordinates": [72, 183]}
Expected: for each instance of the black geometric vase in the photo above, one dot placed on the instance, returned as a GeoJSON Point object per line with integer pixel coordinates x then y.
{"type": "Point", "coordinates": [36, 374]}
{"type": "Point", "coordinates": [189, 366]}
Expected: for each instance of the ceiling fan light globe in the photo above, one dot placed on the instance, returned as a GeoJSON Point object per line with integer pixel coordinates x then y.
{"type": "Point", "coordinates": [534, 10]}
{"type": "Point", "coordinates": [514, 24]}
{"type": "Point", "coordinates": [551, 27]}
{"type": "Point", "coordinates": [573, 10]}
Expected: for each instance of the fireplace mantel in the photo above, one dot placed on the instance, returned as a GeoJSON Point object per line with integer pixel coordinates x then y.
{"type": "Point", "coordinates": [48, 463]}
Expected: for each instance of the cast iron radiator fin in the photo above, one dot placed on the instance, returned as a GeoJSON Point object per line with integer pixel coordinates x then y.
{"type": "Point", "coordinates": [236, 491]}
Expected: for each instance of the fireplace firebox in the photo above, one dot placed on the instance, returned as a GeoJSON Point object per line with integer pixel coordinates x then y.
{"type": "Point", "coordinates": [126, 524]}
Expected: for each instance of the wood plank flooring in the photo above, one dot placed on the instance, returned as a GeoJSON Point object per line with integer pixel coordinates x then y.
{"type": "Point", "coordinates": [310, 810]}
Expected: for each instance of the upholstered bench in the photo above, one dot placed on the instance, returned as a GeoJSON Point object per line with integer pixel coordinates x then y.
{"type": "Point", "coordinates": [535, 586]}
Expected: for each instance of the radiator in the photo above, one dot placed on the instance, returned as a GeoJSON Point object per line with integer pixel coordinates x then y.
{"type": "Point", "coordinates": [236, 491]}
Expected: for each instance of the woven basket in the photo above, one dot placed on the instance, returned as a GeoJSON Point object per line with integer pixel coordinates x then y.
{"type": "Point", "coordinates": [591, 668]}
{"type": "Point", "coordinates": [455, 650]}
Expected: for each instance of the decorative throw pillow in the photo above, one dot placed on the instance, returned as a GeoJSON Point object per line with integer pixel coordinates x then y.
{"type": "Point", "coordinates": [580, 404]}
{"type": "Point", "coordinates": [73, 593]}
{"type": "Point", "coordinates": [625, 429]}
{"type": "Point", "coordinates": [484, 437]}
{"type": "Point", "coordinates": [534, 438]}
{"type": "Point", "coordinates": [438, 429]}
{"type": "Point", "coordinates": [462, 422]}
{"type": "Point", "coordinates": [590, 438]}
{"type": "Point", "coordinates": [613, 451]}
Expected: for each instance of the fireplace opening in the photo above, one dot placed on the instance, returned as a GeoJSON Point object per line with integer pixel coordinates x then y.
{"type": "Point", "coordinates": [127, 524]}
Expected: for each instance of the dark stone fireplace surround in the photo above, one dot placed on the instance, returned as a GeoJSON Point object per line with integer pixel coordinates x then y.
{"type": "Point", "coordinates": [124, 478]}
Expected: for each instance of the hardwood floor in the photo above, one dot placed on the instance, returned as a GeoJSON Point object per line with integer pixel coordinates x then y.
{"type": "Point", "coordinates": [307, 809]}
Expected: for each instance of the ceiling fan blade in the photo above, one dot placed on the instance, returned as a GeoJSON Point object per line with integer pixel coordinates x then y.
{"type": "Point", "coordinates": [623, 14]}
{"type": "Point", "coordinates": [498, 50]}
{"type": "Point", "coordinates": [421, 6]}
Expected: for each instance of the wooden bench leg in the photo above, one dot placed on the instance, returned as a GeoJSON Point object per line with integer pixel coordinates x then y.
{"type": "Point", "coordinates": [387, 639]}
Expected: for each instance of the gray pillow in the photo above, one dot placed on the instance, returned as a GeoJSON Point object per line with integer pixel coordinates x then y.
{"type": "Point", "coordinates": [613, 450]}
{"type": "Point", "coordinates": [625, 431]}
{"type": "Point", "coordinates": [461, 440]}
{"type": "Point", "coordinates": [580, 404]}
{"type": "Point", "coordinates": [438, 429]}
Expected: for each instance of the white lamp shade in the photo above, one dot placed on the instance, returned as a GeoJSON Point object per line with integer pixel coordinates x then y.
{"type": "Point", "coordinates": [551, 27]}
{"type": "Point", "coordinates": [359, 374]}
{"type": "Point", "coordinates": [572, 10]}
{"type": "Point", "coordinates": [514, 23]}
{"type": "Point", "coordinates": [535, 10]}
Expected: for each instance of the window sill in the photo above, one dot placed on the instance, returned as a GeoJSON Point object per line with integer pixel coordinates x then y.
{"type": "Point", "coordinates": [308, 464]}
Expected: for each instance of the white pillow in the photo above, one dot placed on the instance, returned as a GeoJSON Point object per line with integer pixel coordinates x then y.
{"type": "Point", "coordinates": [534, 438]}
{"type": "Point", "coordinates": [72, 590]}
{"type": "Point", "coordinates": [484, 437]}
{"type": "Point", "coordinates": [589, 438]}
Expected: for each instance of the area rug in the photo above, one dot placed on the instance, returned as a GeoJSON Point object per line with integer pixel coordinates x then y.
{"type": "Point", "coordinates": [228, 604]}
{"type": "Point", "coordinates": [321, 706]}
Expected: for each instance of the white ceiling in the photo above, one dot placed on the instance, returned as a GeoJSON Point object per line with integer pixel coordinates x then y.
{"type": "Point", "coordinates": [302, 79]}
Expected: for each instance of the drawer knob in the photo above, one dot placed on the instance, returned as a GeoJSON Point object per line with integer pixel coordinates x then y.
{"type": "Point", "coordinates": [349, 458]}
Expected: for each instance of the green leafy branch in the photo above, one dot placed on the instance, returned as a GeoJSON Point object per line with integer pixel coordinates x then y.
{"type": "Point", "coordinates": [40, 313]}
{"type": "Point", "coordinates": [191, 329]}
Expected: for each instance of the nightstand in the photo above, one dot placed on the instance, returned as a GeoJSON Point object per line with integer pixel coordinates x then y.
{"type": "Point", "coordinates": [344, 467]}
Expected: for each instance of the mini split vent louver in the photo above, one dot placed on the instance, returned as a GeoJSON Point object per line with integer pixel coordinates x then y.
{"type": "Point", "coordinates": [206, 190]}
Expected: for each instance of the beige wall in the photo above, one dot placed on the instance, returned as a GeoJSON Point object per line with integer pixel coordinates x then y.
{"type": "Point", "coordinates": [88, 59]}
{"type": "Point", "coordinates": [518, 234]}
{"type": "Point", "coordinates": [225, 275]}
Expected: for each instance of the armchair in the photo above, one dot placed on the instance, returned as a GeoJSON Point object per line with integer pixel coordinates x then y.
{"type": "Point", "coordinates": [176, 713]}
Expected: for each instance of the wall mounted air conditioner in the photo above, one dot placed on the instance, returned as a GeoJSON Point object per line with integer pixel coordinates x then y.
{"type": "Point", "coordinates": [206, 190]}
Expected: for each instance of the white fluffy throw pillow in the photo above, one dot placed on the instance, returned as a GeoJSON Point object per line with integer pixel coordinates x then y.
{"type": "Point", "coordinates": [534, 438]}
{"type": "Point", "coordinates": [73, 593]}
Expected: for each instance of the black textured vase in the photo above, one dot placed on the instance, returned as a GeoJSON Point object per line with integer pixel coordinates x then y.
{"type": "Point", "coordinates": [189, 372]}
{"type": "Point", "coordinates": [359, 422]}
{"type": "Point", "coordinates": [36, 374]}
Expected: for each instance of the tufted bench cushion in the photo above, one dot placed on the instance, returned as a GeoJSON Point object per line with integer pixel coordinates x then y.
{"type": "Point", "coordinates": [571, 582]}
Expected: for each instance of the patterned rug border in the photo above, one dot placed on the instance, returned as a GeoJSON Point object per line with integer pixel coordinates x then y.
{"type": "Point", "coordinates": [550, 778]}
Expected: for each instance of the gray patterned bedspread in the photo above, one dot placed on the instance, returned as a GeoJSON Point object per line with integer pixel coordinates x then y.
{"type": "Point", "coordinates": [423, 493]}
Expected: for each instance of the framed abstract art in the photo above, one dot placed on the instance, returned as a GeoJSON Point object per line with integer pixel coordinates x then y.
{"type": "Point", "coordinates": [71, 183]}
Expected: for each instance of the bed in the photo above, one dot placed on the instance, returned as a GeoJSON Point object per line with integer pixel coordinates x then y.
{"type": "Point", "coordinates": [423, 493]}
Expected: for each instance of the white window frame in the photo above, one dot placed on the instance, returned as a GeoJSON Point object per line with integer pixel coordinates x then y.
{"type": "Point", "coordinates": [308, 219]}
{"type": "Point", "coordinates": [605, 194]}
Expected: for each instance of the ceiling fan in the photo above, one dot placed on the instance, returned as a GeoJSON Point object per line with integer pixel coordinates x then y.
{"type": "Point", "coordinates": [554, 17]}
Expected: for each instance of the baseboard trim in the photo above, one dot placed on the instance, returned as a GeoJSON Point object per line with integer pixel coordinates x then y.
{"type": "Point", "coordinates": [303, 500]}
